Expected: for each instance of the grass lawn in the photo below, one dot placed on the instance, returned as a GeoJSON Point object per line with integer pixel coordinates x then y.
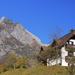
{"type": "Point", "coordinates": [39, 70]}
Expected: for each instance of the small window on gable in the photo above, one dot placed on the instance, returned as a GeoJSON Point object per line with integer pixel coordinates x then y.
{"type": "Point", "coordinates": [71, 43]}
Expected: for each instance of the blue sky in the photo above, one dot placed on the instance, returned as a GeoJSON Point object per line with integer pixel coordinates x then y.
{"type": "Point", "coordinates": [44, 18]}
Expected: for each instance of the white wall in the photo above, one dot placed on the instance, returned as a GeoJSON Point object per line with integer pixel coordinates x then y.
{"type": "Point", "coordinates": [72, 40]}
{"type": "Point", "coordinates": [53, 62]}
{"type": "Point", "coordinates": [64, 53]}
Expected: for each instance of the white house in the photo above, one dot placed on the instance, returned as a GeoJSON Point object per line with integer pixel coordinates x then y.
{"type": "Point", "coordinates": [64, 43]}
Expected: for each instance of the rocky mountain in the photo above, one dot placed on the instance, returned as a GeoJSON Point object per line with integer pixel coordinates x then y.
{"type": "Point", "coordinates": [14, 38]}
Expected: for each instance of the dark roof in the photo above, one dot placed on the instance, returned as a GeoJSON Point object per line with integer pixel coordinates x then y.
{"type": "Point", "coordinates": [61, 41]}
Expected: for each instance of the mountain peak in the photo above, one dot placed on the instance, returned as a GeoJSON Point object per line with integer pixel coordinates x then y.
{"type": "Point", "coordinates": [2, 19]}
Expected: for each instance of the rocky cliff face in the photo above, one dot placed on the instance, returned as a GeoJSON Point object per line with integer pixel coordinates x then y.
{"type": "Point", "coordinates": [13, 37]}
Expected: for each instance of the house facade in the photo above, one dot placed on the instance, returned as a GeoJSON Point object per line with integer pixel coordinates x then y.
{"type": "Point", "coordinates": [66, 44]}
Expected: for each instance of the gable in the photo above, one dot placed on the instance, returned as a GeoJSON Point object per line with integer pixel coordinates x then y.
{"type": "Point", "coordinates": [62, 41]}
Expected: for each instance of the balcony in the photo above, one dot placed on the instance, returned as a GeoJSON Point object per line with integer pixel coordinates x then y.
{"type": "Point", "coordinates": [69, 59]}
{"type": "Point", "coordinates": [70, 47]}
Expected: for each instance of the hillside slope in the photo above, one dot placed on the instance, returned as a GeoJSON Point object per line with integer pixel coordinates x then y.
{"type": "Point", "coordinates": [14, 38]}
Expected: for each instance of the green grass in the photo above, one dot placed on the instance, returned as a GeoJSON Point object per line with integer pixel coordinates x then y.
{"type": "Point", "coordinates": [38, 70]}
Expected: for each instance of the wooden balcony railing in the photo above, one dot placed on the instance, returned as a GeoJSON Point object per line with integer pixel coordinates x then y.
{"type": "Point", "coordinates": [69, 59]}
{"type": "Point", "coordinates": [70, 47]}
